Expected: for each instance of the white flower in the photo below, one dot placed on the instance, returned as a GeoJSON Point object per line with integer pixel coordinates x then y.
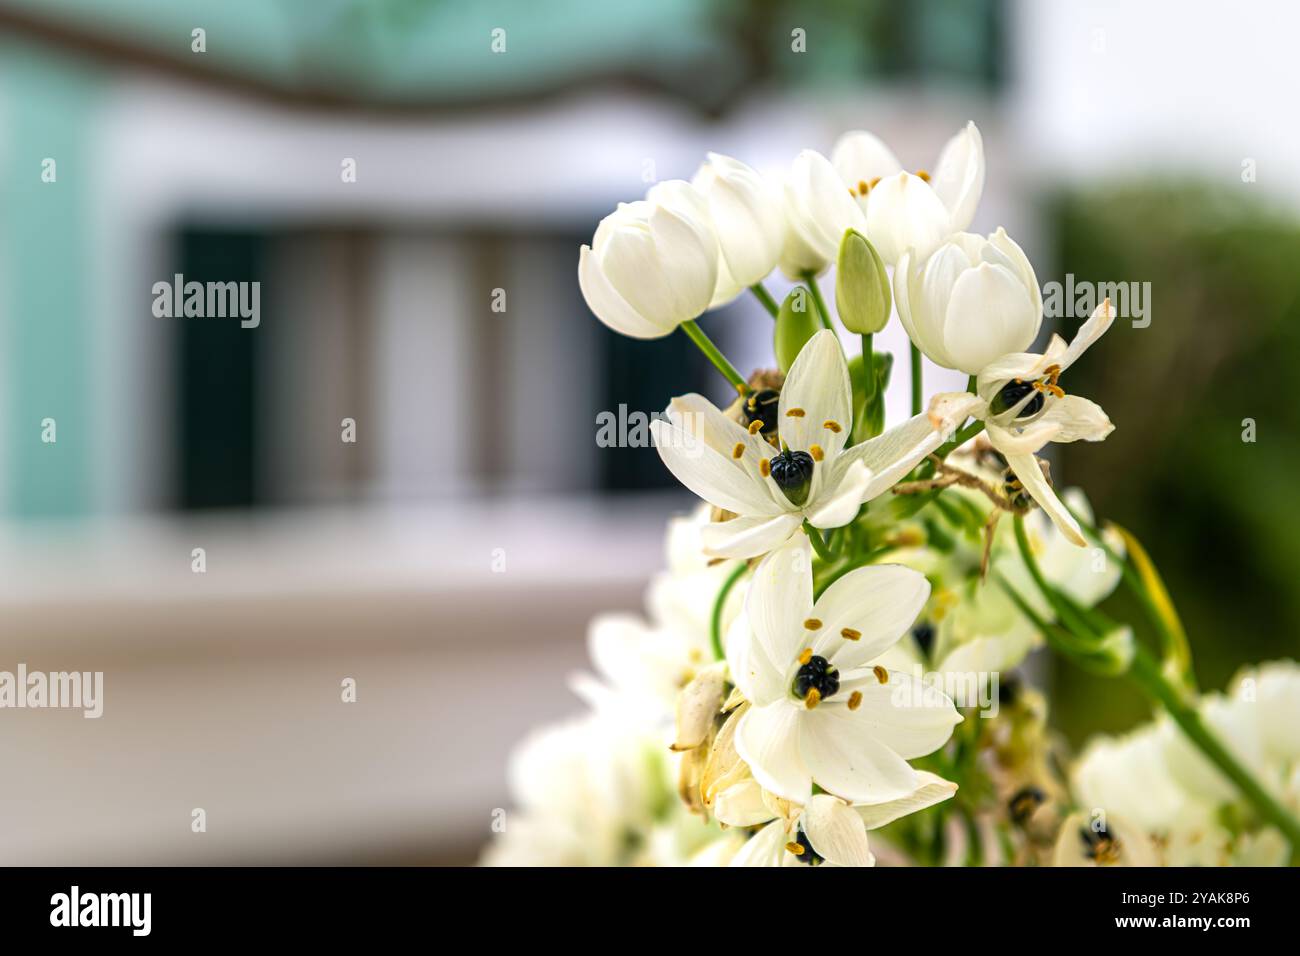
{"type": "Point", "coordinates": [973, 300]}
{"type": "Point", "coordinates": [747, 216]}
{"type": "Point", "coordinates": [1108, 841]}
{"type": "Point", "coordinates": [818, 211]}
{"type": "Point", "coordinates": [649, 268]}
{"type": "Point", "coordinates": [830, 832]}
{"type": "Point", "coordinates": [818, 714]}
{"type": "Point", "coordinates": [813, 478]}
{"type": "Point", "coordinates": [905, 211]}
{"type": "Point", "coordinates": [1023, 406]}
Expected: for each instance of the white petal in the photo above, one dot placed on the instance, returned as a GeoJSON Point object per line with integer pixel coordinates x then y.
{"type": "Point", "coordinates": [879, 602]}
{"type": "Point", "coordinates": [819, 206]}
{"type": "Point", "coordinates": [748, 218]}
{"type": "Point", "coordinates": [764, 848]}
{"type": "Point", "coordinates": [818, 386]}
{"type": "Point", "coordinates": [741, 805]}
{"type": "Point", "coordinates": [904, 213]}
{"type": "Point", "coordinates": [761, 681]}
{"type": "Point", "coordinates": [906, 714]}
{"type": "Point", "coordinates": [931, 789]}
{"type": "Point", "coordinates": [836, 832]}
{"type": "Point", "coordinates": [780, 599]}
{"type": "Point", "coordinates": [990, 313]}
{"type": "Point", "coordinates": [686, 246]}
{"type": "Point", "coordinates": [748, 536]}
{"type": "Point", "coordinates": [1022, 365]}
{"type": "Point", "coordinates": [1023, 439]}
{"type": "Point", "coordinates": [958, 177]}
{"type": "Point", "coordinates": [610, 307]}
{"type": "Point", "coordinates": [714, 477]}
{"type": "Point", "coordinates": [840, 497]}
{"type": "Point", "coordinates": [1031, 476]}
{"type": "Point", "coordinates": [1078, 419]}
{"type": "Point", "coordinates": [847, 761]}
{"type": "Point", "coordinates": [1088, 333]}
{"type": "Point", "coordinates": [860, 156]}
{"type": "Point", "coordinates": [768, 739]}
{"type": "Point", "coordinates": [929, 284]}
{"type": "Point", "coordinates": [891, 455]}
{"type": "Point", "coordinates": [1012, 252]}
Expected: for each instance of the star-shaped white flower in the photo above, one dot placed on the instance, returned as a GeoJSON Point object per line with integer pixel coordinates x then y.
{"type": "Point", "coordinates": [1023, 406]}
{"type": "Point", "coordinates": [811, 475]}
{"type": "Point", "coordinates": [819, 712]}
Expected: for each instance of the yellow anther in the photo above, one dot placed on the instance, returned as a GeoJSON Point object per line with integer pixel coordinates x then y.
{"type": "Point", "coordinates": [855, 700]}
{"type": "Point", "coordinates": [816, 452]}
{"type": "Point", "coordinates": [922, 175]}
{"type": "Point", "coordinates": [850, 634]}
{"type": "Point", "coordinates": [795, 413]}
{"type": "Point", "coordinates": [872, 184]}
{"type": "Point", "coordinates": [795, 848]}
{"type": "Point", "coordinates": [806, 656]}
{"type": "Point", "coordinates": [882, 675]}
{"type": "Point", "coordinates": [832, 425]}
{"type": "Point", "coordinates": [812, 624]}
{"type": "Point", "coordinates": [813, 699]}
{"type": "Point", "coordinates": [862, 187]}
{"type": "Point", "coordinates": [765, 468]}
{"type": "Point", "coordinates": [738, 450]}
{"type": "Point", "coordinates": [756, 426]}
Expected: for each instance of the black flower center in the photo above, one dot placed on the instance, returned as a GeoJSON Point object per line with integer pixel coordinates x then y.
{"type": "Point", "coordinates": [761, 406]}
{"type": "Point", "coordinates": [818, 675]}
{"type": "Point", "coordinates": [1100, 847]}
{"type": "Point", "coordinates": [1024, 803]}
{"type": "Point", "coordinates": [1013, 392]}
{"type": "Point", "coordinates": [923, 634]}
{"type": "Point", "coordinates": [792, 471]}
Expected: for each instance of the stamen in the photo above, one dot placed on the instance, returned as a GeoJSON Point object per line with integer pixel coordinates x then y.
{"type": "Point", "coordinates": [850, 634]}
{"type": "Point", "coordinates": [795, 413]}
{"type": "Point", "coordinates": [795, 848]}
{"type": "Point", "coordinates": [922, 175]}
{"type": "Point", "coordinates": [765, 468]}
{"type": "Point", "coordinates": [832, 425]}
{"type": "Point", "coordinates": [813, 625]}
{"type": "Point", "coordinates": [738, 450]}
{"type": "Point", "coordinates": [872, 184]}
{"type": "Point", "coordinates": [862, 187]}
{"type": "Point", "coordinates": [816, 452]}
{"type": "Point", "coordinates": [855, 700]}
{"type": "Point", "coordinates": [882, 675]}
{"type": "Point", "coordinates": [806, 656]}
{"type": "Point", "coordinates": [756, 426]}
{"type": "Point", "coordinates": [813, 699]}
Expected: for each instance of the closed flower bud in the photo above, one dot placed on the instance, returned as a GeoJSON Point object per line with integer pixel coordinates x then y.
{"type": "Point", "coordinates": [697, 706]}
{"type": "Point", "coordinates": [971, 302]}
{"type": "Point", "coordinates": [862, 295]}
{"type": "Point", "coordinates": [649, 268]}
{"type": "Point", "coordinates": [747, 217]}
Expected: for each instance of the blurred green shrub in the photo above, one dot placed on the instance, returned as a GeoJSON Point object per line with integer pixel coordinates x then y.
{"type": "Point", "coordinates": [1219, 515]}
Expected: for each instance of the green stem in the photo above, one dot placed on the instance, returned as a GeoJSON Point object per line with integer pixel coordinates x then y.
{"type": "Point", "coordinates": [868, 371]}
{"type": "Point", "coordinates": [916, 380]}
{"type": "Point", "coordinates": [811, 279]}
{"type": "Point", "coordinates": [715, 620]}
{"type": "Point", "coordinates": [765, 297]}
{"type": "Point", "coordinates": [1147, 673]}
{"type": "Point", "coordinates": [818, 544]}
{"type": "Point", "coordinates": [1064, 611]}
{"type": "Point", "coordinates": [714, 355]}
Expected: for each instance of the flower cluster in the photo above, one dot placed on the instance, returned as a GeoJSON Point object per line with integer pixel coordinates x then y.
{"type": "Point", "coordinates": [836, 644]}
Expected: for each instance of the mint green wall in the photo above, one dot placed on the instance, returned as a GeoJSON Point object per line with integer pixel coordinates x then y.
{"type": "Point", "coordinates": [46, 108]}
